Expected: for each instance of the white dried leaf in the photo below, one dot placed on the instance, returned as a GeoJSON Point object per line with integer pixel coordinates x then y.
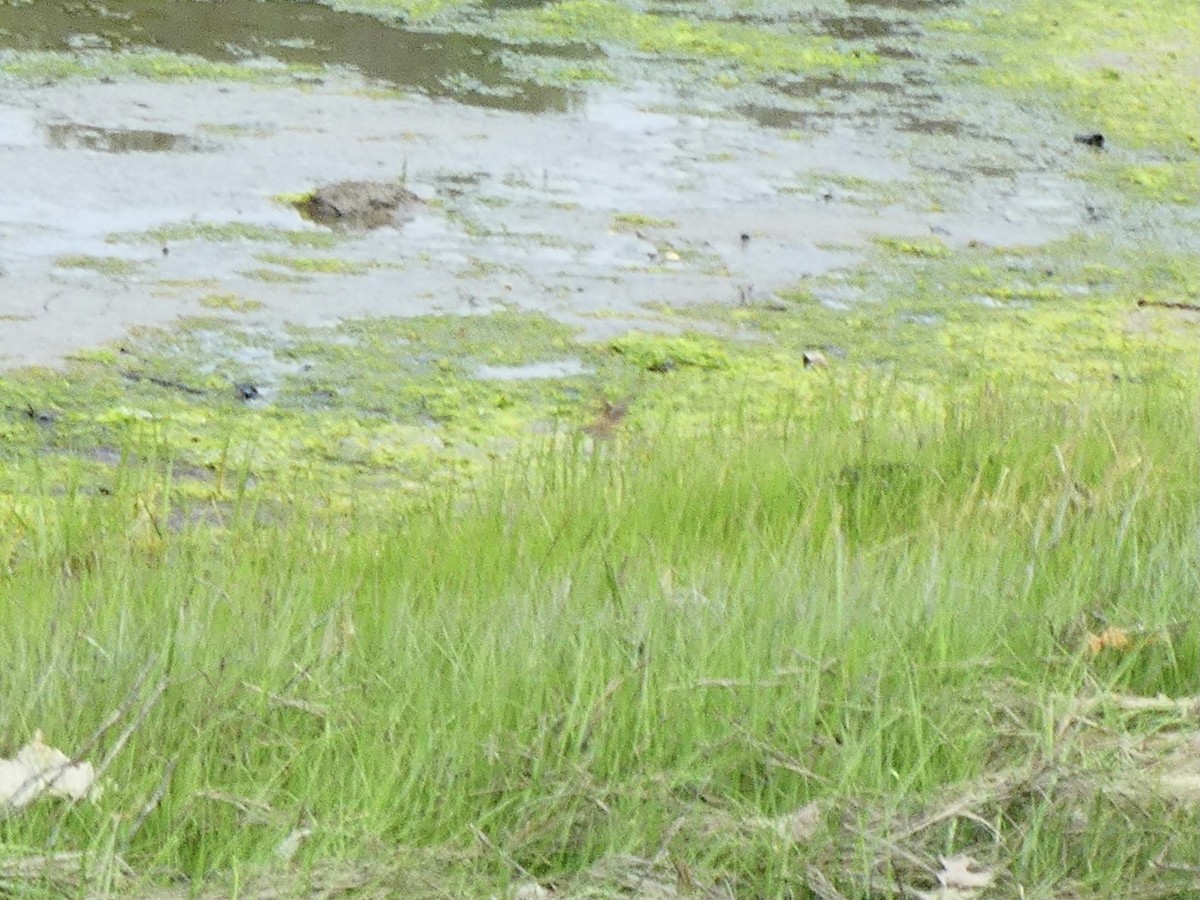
{"type": "Point", "coordinates": [289, 845]}
{"type": "Point", "coordinates": [1181, 786]}
{"type": "Point", "coordinates": [946, 893]}
{"type": "Point", "coordinates": [531, 890]}
{"type": "Point", "coordinates": [1179, 773]}
{"type": "Point", "coordinates": [799, 826]}
{"type": "Point", "coordinates": [38, 769]}
{"type": "Point", "coordinates": [963, 873]}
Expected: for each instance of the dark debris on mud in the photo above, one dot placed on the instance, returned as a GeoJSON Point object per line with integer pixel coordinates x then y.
{"type": "Point", "coordinates": [358, 204]}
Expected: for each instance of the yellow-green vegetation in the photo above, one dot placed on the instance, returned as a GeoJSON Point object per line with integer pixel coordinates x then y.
{"type": "Point", "coordinates": [633, 221]}
{"type": "Point", "coordinates": [663, 353]}
{"type": "Point", "coordinates": [1014, 317]}
{"type": "Point", "coordinates": [174, 285]}
{"type": "Point", "coordinates": [316, 265]}
{"type": "Point", "coordinates": [557, 71]}
{"type": "Point", "coordinates": [756, 49]}
{"type": "Point", "coordinates": [927, 247]}
{"type": "Point", "coordinates": [230, 302]}
{"type": "Point", "coordinates": [229, 232]}
{"type": "Point", "coordinates": [299, 200]}
{"type": "Point", "coordinates": [409, 10]}
{"type": "Point", "coordinates": [392, 401]}
{"type": "Point", "coordinates": [112, 266]}
{"type": "Point", "coordinates": [274, 276]}
{"type": "Point", "coordinates": [1127, 69]}
{"type": "Point", "coordinates": [155, 65]}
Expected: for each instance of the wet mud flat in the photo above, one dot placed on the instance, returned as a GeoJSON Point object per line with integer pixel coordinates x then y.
{"type": "Point", "coordinates": [140, 199]}
{"type": "Point", "coordinates": [597, 211]}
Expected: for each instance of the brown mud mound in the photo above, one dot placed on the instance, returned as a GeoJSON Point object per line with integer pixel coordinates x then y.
{"type": "Point", "coordinates": [358, 204]}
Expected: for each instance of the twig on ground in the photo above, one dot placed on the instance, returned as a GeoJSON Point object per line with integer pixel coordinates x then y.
{"type": "Point", "coordinates": [152, 802]}
{"type": "Point", "coordinates": [506, 857]}
{"type": "Point", "coordinates": [601, 706]}
{"type": "Point", "coordinates": [147, 704]}
{"type": "Point", "coordinates": [316, 710]}
{"type": "Point", "coordinates": [778, 678]}
{"type": "Point", "coordinates": [822, 888]}
{"type": "Point", "coordinates": [1169, 304]}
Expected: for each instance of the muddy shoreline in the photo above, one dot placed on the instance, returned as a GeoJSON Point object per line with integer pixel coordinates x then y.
{"type": "Point", "coordinates": [587, 216]}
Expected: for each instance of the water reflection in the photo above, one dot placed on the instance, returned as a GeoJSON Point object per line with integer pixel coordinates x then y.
{"type": "Point", "coordinates": [464, 67]}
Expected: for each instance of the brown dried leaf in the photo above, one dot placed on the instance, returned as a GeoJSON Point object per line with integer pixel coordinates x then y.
{"type": "Point", "coordinates": [1115, 639]}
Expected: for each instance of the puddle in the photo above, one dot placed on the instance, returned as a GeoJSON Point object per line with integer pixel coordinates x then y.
{"type": "Point", "coordinates": [254, 371]}
{"type": "Point", "coordinates": [562, 368]}
{"type": "Point", "coordinates": [464, 67]}
{"type": "Point", "coordinates": [64, 136]}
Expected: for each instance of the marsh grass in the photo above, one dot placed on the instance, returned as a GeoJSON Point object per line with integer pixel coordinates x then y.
{"type": "Point", "coordinates": [636, 660]}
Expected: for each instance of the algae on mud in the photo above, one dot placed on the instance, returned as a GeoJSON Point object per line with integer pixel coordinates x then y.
{"type": "Point", "coordinates": [230, 232]}
{"type": "Point", "coordinates": [113, 266]}
{"type": "Point", "coordinates": [1127, 70]}
{"type": "Point", "coordinates": [154, 65]}
{"type": "Point", "coordinates": [384, 402]}
{"type": "Point", "coordinates": [398, 400]}
{"type": "Point", "coordinates": [866, 593]}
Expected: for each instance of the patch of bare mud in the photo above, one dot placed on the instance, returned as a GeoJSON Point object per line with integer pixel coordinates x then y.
{"type": "Point", "coordinates": [588, 216]}
{"type": "Point", "coordinates": [358, 204]}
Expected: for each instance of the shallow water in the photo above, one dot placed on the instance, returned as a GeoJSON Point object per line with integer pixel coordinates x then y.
{"type": "Point", "coordinates": [288, 32]}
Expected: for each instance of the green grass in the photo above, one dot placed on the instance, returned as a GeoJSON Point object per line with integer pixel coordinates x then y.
{"type": "Point", "coordinates": [640, 657]}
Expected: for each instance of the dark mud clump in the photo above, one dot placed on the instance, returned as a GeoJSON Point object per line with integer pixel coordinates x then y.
{"type": "Point", "coordinates": [358, 204]}
{"type": "Point", "coordinates": [69, 136]}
